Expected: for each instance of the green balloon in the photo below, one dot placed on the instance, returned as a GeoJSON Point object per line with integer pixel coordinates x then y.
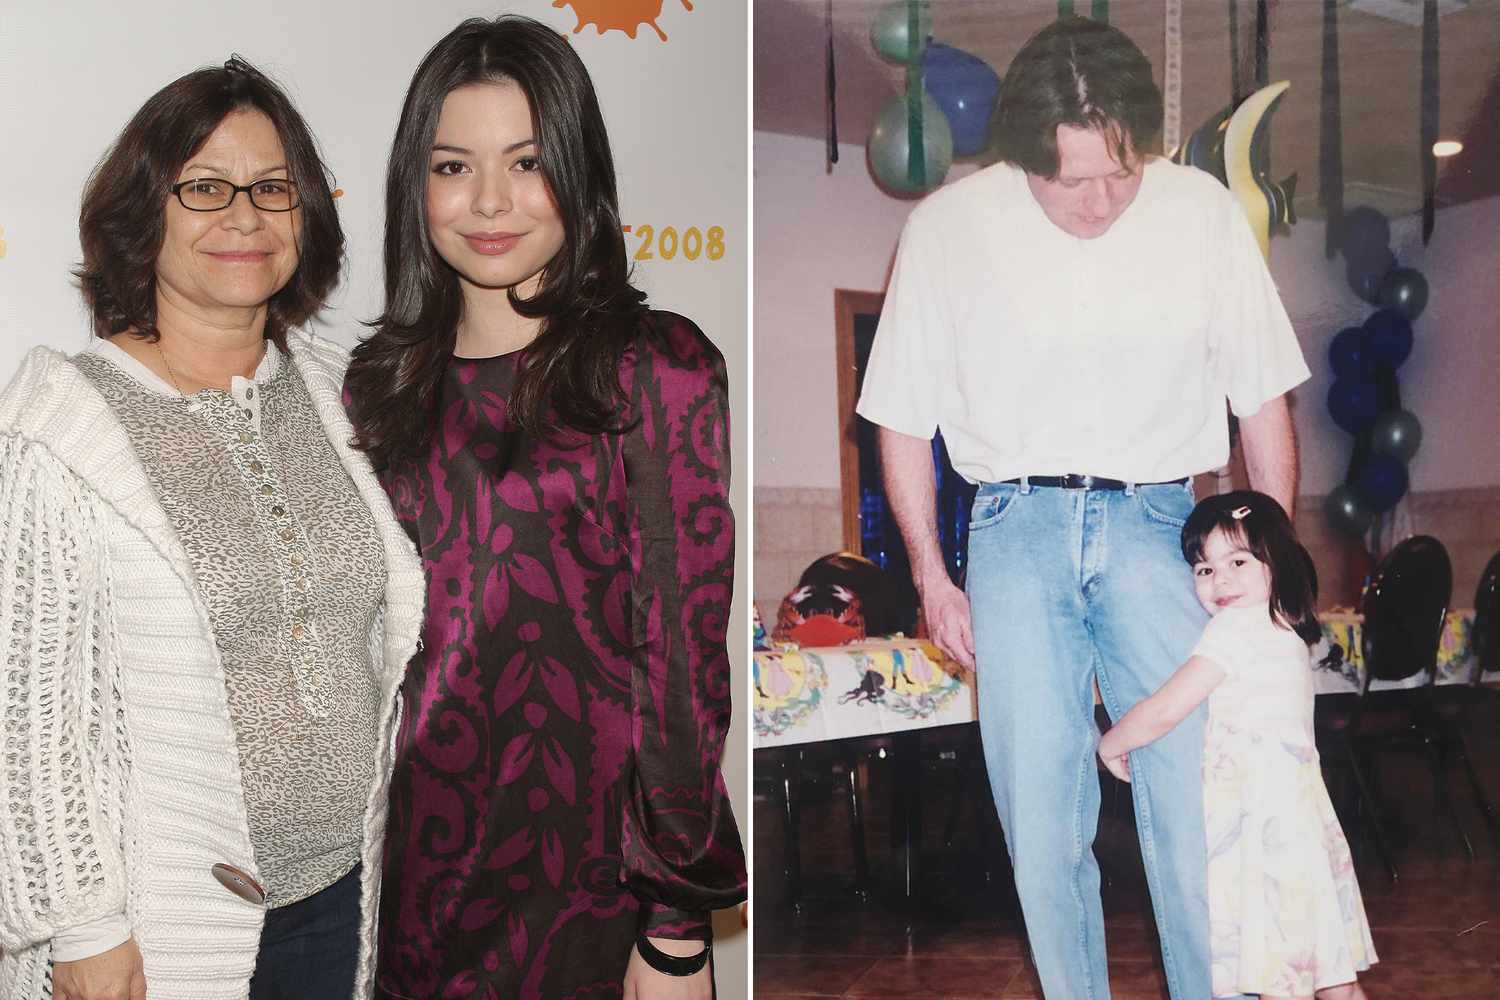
{"type": "Point", "coordinates": [1397, 433]}
{"type": "Point", "coordinates": [1347, 512]}
{"type": "Point", "coordinates": [891, 35]}
{"type": "Point", "coordinates": [890, 144]}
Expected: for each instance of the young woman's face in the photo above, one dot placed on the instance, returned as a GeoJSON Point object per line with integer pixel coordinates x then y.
{"type": "Point", "coordinates": [489, 212]}
{"type": "Point", "coordinates": [1228, 576]}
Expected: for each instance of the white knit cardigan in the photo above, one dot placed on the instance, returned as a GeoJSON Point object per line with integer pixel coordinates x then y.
{"type": "Point", "coordinates": [119, 774]}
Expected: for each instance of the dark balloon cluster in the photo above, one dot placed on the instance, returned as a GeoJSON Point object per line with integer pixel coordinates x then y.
{"type": "Point", "coordinates": [1365, 398]}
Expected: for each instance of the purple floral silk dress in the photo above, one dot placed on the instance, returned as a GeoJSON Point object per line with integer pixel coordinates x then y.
{"type": "Point", "coordinates": [557, 787]}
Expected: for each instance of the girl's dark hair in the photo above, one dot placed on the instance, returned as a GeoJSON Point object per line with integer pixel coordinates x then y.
{"type": "Point", "coordinates": [1262, 529]}
{"type": "Point", "coordinates": [123, 220]}
{"type": "Point", "coordinates": [1082, 73]}
{"type": "Point", "coordinates": [569, 375]}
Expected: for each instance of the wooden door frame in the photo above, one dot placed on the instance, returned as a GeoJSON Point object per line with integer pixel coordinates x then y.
{"type": "Point", "coordinates": [848, 303]}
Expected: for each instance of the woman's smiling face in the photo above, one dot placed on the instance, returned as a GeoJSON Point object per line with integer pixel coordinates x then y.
{"type": "Point", "coordinates": [490, 214]}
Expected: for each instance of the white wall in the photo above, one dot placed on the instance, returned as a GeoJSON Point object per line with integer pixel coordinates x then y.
{"type": "Point", "coordinates": [816, 232]}
{"type": "Point", "coordinates": [72, 74]}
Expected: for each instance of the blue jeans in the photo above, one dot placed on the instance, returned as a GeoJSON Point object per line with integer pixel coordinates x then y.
{"type": "Point", "coordinates": [1066, 586]}
{"type": "Point", "coordinates": [309, 949]}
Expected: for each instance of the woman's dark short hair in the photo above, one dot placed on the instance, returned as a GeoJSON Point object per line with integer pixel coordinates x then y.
{"type": "Point", "coordinates": [123, 220]}
{"type": "Point", "coordinates": [1258, 524]}
{"type": "Point", "coordinates": [1081, 73]}
{"type": "Point", "coordinates": [569, 378]}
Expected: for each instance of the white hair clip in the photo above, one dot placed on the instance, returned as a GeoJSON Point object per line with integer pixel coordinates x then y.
{"type": "Point", "coordinates": [1239, 513]}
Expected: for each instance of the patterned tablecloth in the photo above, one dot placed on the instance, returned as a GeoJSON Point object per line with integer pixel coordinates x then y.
{"type": "Point", "coordinates": [885, 686]}
{"type": "Point", "coordinates": [1339, 664]}
{"type": "Point", "coordinates": [860, 689]}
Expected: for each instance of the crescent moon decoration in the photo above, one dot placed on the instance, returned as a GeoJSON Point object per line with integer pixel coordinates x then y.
{"type": "Point", "coordinates": [1204, 149]}
{"type": "Point", "coordinates": [1247, 126]}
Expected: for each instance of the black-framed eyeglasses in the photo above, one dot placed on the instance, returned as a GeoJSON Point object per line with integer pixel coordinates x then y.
{"type": "Point", "coordinates": [210, 194]}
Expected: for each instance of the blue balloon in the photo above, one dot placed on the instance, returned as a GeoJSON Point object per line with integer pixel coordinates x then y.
{"type": "Point", "coordinates": [1349, 354]}
{"type": "Point", "coordinates": [1366, 233]}
{"type": "Point", "coordinates": [1354, 404]}
{"type": "Point", "coordinates": [1366, 274]}
{"type": "Point", "coordinates": [966, 88]}
{"type": "Point", "coordinates": [1390, 337]}
{"type": "Point", "coordinates": [1381, 483]}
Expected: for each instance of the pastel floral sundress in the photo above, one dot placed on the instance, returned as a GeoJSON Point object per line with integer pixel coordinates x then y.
{"type": "Point", "coordinates": [1285, 913]}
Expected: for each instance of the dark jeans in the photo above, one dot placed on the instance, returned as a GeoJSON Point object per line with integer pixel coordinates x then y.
{"type": "Point", "coordinates": [308, 949]}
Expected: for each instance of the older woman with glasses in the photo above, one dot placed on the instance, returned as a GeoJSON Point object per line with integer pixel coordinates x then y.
{"type": "Point", "coordinates": [205, 601]}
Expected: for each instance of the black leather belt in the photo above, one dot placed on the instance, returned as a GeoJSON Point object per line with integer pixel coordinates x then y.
{"type": "Point", "coordinates": [1074, 482]}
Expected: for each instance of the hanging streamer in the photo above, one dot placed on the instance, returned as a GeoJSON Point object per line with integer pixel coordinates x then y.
{"type": "Point", "coordinates": [1331, 137]}
{"type": "Point", "coordinates": [1262, 44]}
{"type": "Point", "coordinates": [1429, 117]}
{"type": "Point", "coordinates": [1064, 9]}
{"type": "Point", "coordinates": [832, 98]}
{"type": "Point", "coordinates": [916, 157]}
{"type": "Point", "coordinates": [1101, 11]}
{"type": "Point", "coordinates": [1171, 128]}
{"type": "Point", "coordinates": [1236, 86]}
{"type": "Point", "coordinates": [1262, 151]}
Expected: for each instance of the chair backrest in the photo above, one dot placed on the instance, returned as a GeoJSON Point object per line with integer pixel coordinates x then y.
{"type": "Point", "coordinates": [1484, 639]}
{"type": "Point", "coordinates": [1404, 607]}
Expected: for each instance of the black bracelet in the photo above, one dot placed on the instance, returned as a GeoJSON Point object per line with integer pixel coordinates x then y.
{"type": "Point", "coordinates": [672, 965]}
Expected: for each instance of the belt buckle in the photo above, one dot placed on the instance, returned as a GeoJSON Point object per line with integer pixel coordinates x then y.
{"type": "Point", "coordinates": [1085, 482]}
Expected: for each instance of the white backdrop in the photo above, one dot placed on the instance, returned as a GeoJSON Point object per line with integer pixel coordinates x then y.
{"type": "Point", "coordinates": [72, 74]}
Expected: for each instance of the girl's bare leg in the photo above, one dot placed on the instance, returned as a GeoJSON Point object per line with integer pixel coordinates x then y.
{"type": "Point", "coordinates": [1344, 991]}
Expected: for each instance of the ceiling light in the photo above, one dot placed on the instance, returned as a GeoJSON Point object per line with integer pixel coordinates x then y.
{"type": "Point", "coordinates": [1447, 147]}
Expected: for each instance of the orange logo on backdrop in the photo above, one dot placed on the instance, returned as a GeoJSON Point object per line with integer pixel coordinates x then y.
{"type": "Point", "coordinates": [617, 15]}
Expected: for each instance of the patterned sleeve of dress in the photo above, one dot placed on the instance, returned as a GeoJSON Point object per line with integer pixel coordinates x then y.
{"type": "Point", "coordinates": [681, 847]}
{"type": "Point", "coordinates": [60, 860]}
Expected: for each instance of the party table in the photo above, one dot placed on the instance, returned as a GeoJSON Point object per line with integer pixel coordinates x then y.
{"type": "Point", "coordinates": [871, 688]}
{"type": "Point", "coordinates": [893, 688]}
{"type": "Point", "coordinates": [1339, 662]}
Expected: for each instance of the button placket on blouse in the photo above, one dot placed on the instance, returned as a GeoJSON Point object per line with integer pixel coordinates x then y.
{"type": "Point", "coordinates": [240, 420]}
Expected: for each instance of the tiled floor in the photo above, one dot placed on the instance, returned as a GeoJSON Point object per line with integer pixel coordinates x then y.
{"type": "Point", "coordinates": [1437, 929]}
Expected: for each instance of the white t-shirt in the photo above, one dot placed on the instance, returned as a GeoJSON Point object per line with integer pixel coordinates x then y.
{"type": "Point", "coordinates": [1039, 353]}
{"type": "Point", "coordinates": [1268, 683]}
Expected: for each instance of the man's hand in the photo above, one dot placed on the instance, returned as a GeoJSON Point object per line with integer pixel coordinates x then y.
{"type": "Point", "coordinates": [644, 983]}
{"type": "Point", "coordinates": [116, 974]}
{"type": "Point", "coordinates": [946, 609]}
{"type": "Point", "coordinates": [1118, 766]}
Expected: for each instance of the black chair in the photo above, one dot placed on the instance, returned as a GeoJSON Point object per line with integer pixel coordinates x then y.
{"type": "Point", "coordinates": [1485, 636]}
{"type": "Point", "coordinates": [1456, 704]}
{"type": "Point", "coordinates": [790, 770]}
{"type": "Point", "coordinates": [1404, 607]}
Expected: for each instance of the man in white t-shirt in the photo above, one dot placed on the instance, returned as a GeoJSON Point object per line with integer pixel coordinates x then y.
{"type": "Point", "coordinates": [1074, 319]}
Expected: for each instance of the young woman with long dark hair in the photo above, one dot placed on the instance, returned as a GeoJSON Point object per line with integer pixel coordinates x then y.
{"type": "Point", "coordinates": [558, 452]}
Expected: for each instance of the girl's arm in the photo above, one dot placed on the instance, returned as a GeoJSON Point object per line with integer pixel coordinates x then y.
{"type": "Point", "coordinates": [1154, 717]}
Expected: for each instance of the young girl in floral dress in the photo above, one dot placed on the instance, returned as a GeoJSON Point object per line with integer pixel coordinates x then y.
{"type": "Point", "coordinates": [1285, 916]}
